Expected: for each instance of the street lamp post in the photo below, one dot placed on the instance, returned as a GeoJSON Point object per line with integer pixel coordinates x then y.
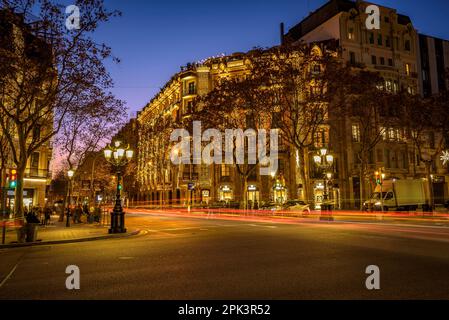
{"type": "Point", "coordinates": [324, 160]}
{"type": "Point", "coordinates": [70, 175]}
{"type": "Point", "coordinates": [118, 157]}
{"type": "Point", "coordinates": [382, 192]}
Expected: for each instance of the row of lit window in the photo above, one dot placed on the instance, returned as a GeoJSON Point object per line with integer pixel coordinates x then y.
{"type": "Point", "coordinates": [390, 134]}
{"type": "Point", "coordinates": [381, 40]}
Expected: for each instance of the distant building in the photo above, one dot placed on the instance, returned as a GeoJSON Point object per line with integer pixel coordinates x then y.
{"type": "Point", "coordinates": [391, 51]}
{"type": "Point", "coordinates": [433, 61]}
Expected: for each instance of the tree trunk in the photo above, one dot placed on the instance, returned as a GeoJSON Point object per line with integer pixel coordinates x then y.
{"type": "Point", "coordinates": [304, 176]}
{"type": "Point", "coordinates": [92, 184]}
{"type": "Point", "coordinates": [362, 185]}
{"type": "Point", "coordinates": [3, 192]}
{"type": "Point", "coordinates": [245, 192]}
{"type": "Point", "coordinates": [430, 186]}
{"type": "Point", "coordinates": [18, 199]}
{"type": "Point", "coordinates": [3, 175]}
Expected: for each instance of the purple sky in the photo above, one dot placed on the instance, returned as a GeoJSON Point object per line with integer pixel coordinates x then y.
{"type": "Point", "coordinates": [154, 38]}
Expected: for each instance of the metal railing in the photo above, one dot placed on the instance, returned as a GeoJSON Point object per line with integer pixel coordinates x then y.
{"type": "Point", "coordinates": [37, 173]}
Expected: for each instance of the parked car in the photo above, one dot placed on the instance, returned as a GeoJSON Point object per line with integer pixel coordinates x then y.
{"type": "Point", "coordinates": [224, 204]}
{"type": "Point", "coordinates": [296, 205]}
{"type": "Point", "coordinates": [272, 206]}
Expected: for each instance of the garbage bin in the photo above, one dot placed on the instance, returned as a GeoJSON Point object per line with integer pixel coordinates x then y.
{"type": "Point", "coordinates": [31, 232]}
{"type": "Point", "coordinates": [21, 234]}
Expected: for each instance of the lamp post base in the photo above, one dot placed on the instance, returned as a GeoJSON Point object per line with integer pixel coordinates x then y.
{"type": "Point", "coordinates": [326, 214]}
{"type": "Point", "coordinates": [117, 221]}
{"type": "Point", "coordinates": [113, 231]}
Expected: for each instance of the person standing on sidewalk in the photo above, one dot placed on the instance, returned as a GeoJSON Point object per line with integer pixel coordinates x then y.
{"type": "Point", "coordinates": [86, 211]}
{"type": "Point", "coordinates": [47, 214]}
{"type": "Point", "coordinates": [59, 212]}
{"type": "Point", "coordinates": [78, 213]}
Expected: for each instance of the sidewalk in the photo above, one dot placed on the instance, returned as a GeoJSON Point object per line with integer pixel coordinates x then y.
{"type": "Point", "coordinates": [58, 233]}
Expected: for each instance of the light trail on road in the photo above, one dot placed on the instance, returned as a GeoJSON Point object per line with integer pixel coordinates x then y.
{"type": "Point", "coordinates": [371, 224]}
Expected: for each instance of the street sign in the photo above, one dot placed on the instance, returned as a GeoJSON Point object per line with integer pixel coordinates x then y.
{"type": "Point", "coordinates": [191, 186]}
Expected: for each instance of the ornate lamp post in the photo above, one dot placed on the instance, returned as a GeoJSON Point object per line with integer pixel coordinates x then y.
{"type": "Point", "coordinates": [70, 175]}
{"type": "Point", "coordinates": [324, 160]}
{"type": "Point", "coordinates": [118, 157]}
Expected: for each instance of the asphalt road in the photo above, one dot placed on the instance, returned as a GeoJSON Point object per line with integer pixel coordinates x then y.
{"type": "Point", "coordinates": [192, 258]}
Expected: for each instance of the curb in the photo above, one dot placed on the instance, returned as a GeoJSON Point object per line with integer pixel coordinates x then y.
{"type": "Point", "coordinates": [52, 242]}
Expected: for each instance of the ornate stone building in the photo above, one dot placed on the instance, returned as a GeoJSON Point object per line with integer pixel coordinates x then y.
{"type": "Point", "coordinates": [394, 52]}
{"type": "Point", "coordinates": [161, 182]}
{"type": "Point", "coordinates": [37, 175]}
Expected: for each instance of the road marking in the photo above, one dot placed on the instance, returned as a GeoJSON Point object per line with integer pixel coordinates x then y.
{"type": "Point", "coordinates": [177, 229]}
{"type": "Point", "coordinates": [263, 226]}
{"type": "Point", "coordinates": [9, 275]}
{"type": "Point", "coordinates": [126, 258]}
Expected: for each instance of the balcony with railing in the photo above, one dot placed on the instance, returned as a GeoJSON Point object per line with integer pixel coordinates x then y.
{"type": "Point", "coordinates": [385, 68]}
{"type": "Point", "coordinates": [35, 173]}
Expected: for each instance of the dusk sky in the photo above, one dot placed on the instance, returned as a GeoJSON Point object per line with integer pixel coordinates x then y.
{"type": "Point", "coordinates": [154, 38]}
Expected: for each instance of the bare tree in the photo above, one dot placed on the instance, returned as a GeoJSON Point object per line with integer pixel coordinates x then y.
{"type": "Point", "coordinates": [301, 82]}
{"type": "Point", "coordinates": [43, 70]}
{"type": "Point", "coordinates": [240, 104]}
{"type": "Point", "coordinates": [427, 124]}
{"type": "Point", "coordinates": [371, 111]}
{"type": "Point", "coordinates": [88, 126]}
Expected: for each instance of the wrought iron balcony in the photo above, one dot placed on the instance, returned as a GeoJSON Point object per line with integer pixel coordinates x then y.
{"type": "Point", "coordinates": [37, 173]}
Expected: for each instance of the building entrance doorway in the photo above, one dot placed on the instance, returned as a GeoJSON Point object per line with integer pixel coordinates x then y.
{"type": "Point", "coordinates": [253, 197]}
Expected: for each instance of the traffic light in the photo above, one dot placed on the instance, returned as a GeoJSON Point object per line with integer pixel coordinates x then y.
{"type": "Point", "coordinates": [120, 186]}
{"type": "Point", "coordinates": [378, 178]}
{"type": "Point", "coordinates": [13, 179]}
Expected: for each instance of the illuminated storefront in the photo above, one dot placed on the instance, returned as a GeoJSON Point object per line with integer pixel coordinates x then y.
{"type": "Point", "coordinates": [253, 196]}
{"type": "Point", "coordinates": [225, 193]}
{"type": "Point", "coordinates": [318, 195]}
{"type": "Point", "coordinates": [279, 191]}
{"type": "Point", "coordinates": [205, 196]}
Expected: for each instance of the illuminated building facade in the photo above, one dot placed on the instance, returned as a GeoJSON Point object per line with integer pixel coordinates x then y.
{"type": "Point", "coordinates": [37, 175]}
{"type": "Point", "coordinates": [394, 52]}
{"type": "Point", "coordinates": [163, 183]}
